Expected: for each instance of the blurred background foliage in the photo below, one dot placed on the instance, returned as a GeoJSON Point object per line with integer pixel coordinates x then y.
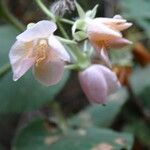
{"type": "Point", "coordinates": [60, 117]}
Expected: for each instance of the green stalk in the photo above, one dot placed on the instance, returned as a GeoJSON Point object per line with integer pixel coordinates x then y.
{"type": "Point", "coordinates": [66, 21]}
{"type": "Point", "coordinates": [45, 10]}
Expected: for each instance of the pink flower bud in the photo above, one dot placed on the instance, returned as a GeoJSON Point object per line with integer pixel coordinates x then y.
{"type": "Point", "coordinates": [98, 82]}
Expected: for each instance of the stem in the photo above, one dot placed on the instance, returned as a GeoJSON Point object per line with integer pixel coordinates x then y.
{"type": "Point", "coordinates": [4, 69]}
{"type": "Point", "coordinates": [72, 67]}
{"type": "Point", "coordinates": [7, 14]}
{"type": "Point", "coordinates": [66, 21]}
{"type": "Point", "coordinates": [61, 120]}
{"type": "Point", "coordinates": [45, 9]}
{"type": "Point", "coordinates": [65, 35]}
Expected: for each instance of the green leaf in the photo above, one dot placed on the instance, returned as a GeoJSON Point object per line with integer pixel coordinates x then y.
{"type": "Point", "coordinates": [137, 10]}
{"type": "Point", "coordinates": [80, 35]}
{"type": "Point", "coordinates": [26, 94]}
{"type": "Point", "coordinates": [101, 115]}
{"type": "Point", "coordinates": [140, 129]}
{"type": "Point", "coordinates": [35, 136]}
{"type": "Point", "coordinates": [80, 10]}
{"type": "Point", "coordinates": [92, 13]}
{"type": "Point", "coordinates": [79, 25]}
{"type": "Point", "coordinates": [140, 84]}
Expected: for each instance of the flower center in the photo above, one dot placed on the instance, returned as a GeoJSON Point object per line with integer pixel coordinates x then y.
{"type": "Point", "coordinates": [40, 51]}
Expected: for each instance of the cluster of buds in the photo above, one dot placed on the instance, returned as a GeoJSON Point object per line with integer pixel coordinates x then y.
{"type": "Point", "coordinates": [39, 48]}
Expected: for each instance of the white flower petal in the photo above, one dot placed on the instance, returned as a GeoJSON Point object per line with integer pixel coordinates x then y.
{"type": "Point", "coordinates": [111, 79]}
{"type": "Point", "coordinates": [58, 48]}
{"type": "Point", "coordinates": [42, 29]}
{"type": "Point", "coordinates": [18, 60]}
{"type": "Point", "coordinates": [49, 73]}
{"type": "Point", "coordinates": [98, 31]}
{"type": "Point", "coordinates": [93, 84]}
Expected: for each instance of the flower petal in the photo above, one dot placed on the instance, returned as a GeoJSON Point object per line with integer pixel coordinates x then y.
{"type": "Point", "coordinates": [98, 31]}
{"type": "Point", "coordinates": [93, 84]}
{"type": "Point", "coordinates": [121, 27]}
{"type": "Point", "coordinates": [116, 23]}
{"type": "Point", "coordinates": [104, 56]}
{"type": "Point", "coordinates": [58, 48]}
{"type": "Point", "coordinates": [49, 73]}
{"type": "Point", "coordinates": [19, 60]}
{"type": "Point", "coordinates": [118, 43]}
{"type": "Point", "coordinates": [42, 29]}
{"type": "Point", "coordinates": [111, 79]}
{"type": "Point", "coordinates": [110, 21]}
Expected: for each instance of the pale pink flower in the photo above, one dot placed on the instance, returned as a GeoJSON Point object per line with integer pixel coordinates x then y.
{"type": "Point", "coordinates": [106, 33]}
{"type": "Point", "coordinates": [38, 47]}
{"type": "Point", "coordinates": [97, 82]}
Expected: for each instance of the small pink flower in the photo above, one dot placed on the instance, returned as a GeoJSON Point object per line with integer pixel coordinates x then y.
{"type": "Point", "coordinates": [38, 47]}
{"type": "Point", "coordinates": [103, 31]}
{"type": "Point", "coordinates": [98, 82]}
{"type": "Point", "coordinates": [106, 33]}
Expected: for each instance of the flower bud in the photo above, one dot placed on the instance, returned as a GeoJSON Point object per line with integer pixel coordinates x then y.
{"type": "Point", "coordinates": [98, 82]}
{"type": "Point", "coordinates": [60, 7]}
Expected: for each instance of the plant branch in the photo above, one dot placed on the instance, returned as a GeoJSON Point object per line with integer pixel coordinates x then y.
{"type": "Point", "coordinates": [45, 9]}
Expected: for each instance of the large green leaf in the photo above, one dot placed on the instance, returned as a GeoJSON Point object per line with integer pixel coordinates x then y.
{"type": "Point", "coordinates": [140, 84]}
{"type": "Point", "coordinates": [137, 10]}
{"type": "Point", "coordinates": [140, 129]}
{"type": "Point", "coordinates": [101, 115]}
{"type": "Point", "coordinates": [35, 136]}
{"type": "Point", "coordinates": [26, 94]}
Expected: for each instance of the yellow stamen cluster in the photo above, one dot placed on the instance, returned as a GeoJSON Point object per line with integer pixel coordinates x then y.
{"type": "Point", "coordinates": [40, 51]}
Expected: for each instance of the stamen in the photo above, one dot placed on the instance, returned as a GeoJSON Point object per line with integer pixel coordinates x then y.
{"type": "Point", "coordinates": [40, 51]}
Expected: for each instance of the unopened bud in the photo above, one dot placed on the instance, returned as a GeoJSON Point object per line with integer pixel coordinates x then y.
{"type": "Point", "coordinates": [60, 7]}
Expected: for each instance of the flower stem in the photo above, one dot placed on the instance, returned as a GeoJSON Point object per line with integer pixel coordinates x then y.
{"type": "Point", "coordinates": [45, 9]}
{"type": "Point", "coordinates": [72, 67]}
{"type": "Point", "coordinates": [65, 35]}
{"type": "Point", "coordinates": [66, 21]}
{"type": "Point", "coordinates": [61, 120]}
